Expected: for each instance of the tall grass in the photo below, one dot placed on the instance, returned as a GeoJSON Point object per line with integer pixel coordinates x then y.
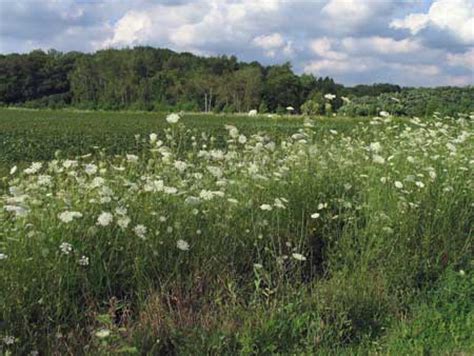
{"type": "Point", "coordinates": [261, 242]}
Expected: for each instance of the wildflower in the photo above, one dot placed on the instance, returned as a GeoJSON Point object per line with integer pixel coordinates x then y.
{"type": "Point", "coordinates": [123, 222]}
{"type": "Point", "coordinates": [233, 131]}
{"type": "Point", "coordinates": [13, 170]}
{"type": "Point", "coordinates": [44, 180]}
{"type": "Point", "coordinates": [206, 194]}
{"type": "Point", "coordinates": [83, 261]}
{"type": "Point", "coordinates": [321, 206]}
{"type": "Point", "coordinates": [266, 207]}
{"type": "Point", "coordinates": [34, 168]}
{"type": "Point", "coordinates": [298, 256]}
{"type": "Point", "coordinates": [420, 184]}
{"type": "Point", "coordinates": [242, 139]}
{"type": "Point", "coordinates": [315, 216]}
{"type": "Point", "coordinates": [66, 248]}
{"type": "Point", "coordinates": [279, 203]}
{"type": "Point", "coordinates": [192, 200]}
{"type": "Point", "coordinates": [398, 184]}
{"type": "Point", "coordinates": [182, 245]}
{"type": "Point", "coordinates": [330, 96]}
{"type": "Point", "coordinates": [3, 256]}
{"type": "Point", "coordinates": [102, 333]}
{"type": "Point", "coordinates": [378, 159]}
{"type": "Point", "coordinates": [68, 216]}
{"type": "Point", "coordinates": [9, 340]}
{"type": "Point", "coordinates": [153, 137]}
{"type": "Point", "coordinates": [173, 118]}
{"type": "Point", "coordinates": [140, 231]}
{"type": "Point", "coordinates": [180, 165]}
{"type": "Point", "coordinates": [375, 147]}
{"type": "Point", "coordinates": [257, 266]}
{"type": "Point", "coordinates": [90, 169]}
{"type": "Point", "coordinates": [104, 219]}
{"type": "Point", "coordinates": [384, 114]}
{"type": "Point", "coordinates": [131, 158]}
{"type": "Point", "coordinates": [69, 163]}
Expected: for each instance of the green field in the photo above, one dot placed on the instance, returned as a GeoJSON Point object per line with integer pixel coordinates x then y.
{"type": "Point", "coordinates": [235, 235]}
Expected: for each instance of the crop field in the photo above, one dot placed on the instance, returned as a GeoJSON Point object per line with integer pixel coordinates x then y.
{"type": "Point", "coordinates": [146, 233]}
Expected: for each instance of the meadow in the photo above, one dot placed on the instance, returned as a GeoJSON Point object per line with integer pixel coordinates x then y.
{"type": "Point", "coordinates": [146, 233]}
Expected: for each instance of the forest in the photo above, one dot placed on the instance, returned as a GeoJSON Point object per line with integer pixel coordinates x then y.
{"type": "Point", "coordinates": [153, 79]}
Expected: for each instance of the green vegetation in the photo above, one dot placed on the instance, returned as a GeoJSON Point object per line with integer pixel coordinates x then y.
{"type": "Point", "coordinates": [222, 234]}
{"type": "Point", "coordinates": [150, 79]}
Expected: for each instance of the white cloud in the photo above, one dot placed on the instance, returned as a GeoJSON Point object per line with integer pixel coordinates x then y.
{"type": "Point", "coordinates": [381, 45]}
{"type": "Point", "coordinates": [354, 41]}
{"type": "Point", "coordinates": [465, 59]}
{"type": "Point", "coordinates": [454, 16]}
{"type": "Point", "coordinates": [347, 15]}
{"type": "Point", "coordinates": [323, 48]}
{"type": "Point", "coordinates": [130, 29]}
{"type": "Point", "coordinates": [273, 44]}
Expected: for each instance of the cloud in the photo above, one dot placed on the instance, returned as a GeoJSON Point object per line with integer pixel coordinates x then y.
{"type": "Point", "coordinates": [273, 43]}
{"type": "Point", "coordinates": [355, 41]}
{"type": "Point", "coordinates": [462, 60]}
{"type": "Point", "coordinates": [453, 16]}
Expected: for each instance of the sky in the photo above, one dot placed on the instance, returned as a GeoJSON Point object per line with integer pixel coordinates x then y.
{"type": "Point", "coordinates": [410, 42]}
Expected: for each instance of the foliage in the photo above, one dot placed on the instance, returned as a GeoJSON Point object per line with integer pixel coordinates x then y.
{"type": "Point", "coordinates": [146, 78]}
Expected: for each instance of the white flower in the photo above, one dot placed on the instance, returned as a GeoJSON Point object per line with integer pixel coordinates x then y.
{"type": "Point", "coordinates": [13, 169]}
{"type": "Point", "coordinates": [69, 163]}
{"type": "Point", "coordinates": [153, 137]}
{"type": "Point", "coordinates": [182, 245]}
{"type": "Point", "coordinates": [330, 96]}
{"type": "Point", "coordinates": [44, 180]}
{"type": "Point", "coordinates": [121, 210]}
{"type": "Point", "coordinates": [398, 184]}
{"type": "Point", "coordinates": [83, 261]}
{"type": "Point", "coordinates": [298, 257]}
{"type": "Point", "coordinates": [34, 168]}
{"type": "Point", "coordinates": [68, 216]}
{"type": "Point", "coordinates": [279, 204]}
{"type": "Point", "coordinates": [102, 333]}
{"type": "Point", "coordinates": [104, 219]}
{"type": "Point", "coordinates": [462, 272]}
{"type": "Point", "coordinates": [266, 207]}
{"type": "Point", "coordinates": [242, 139]}
{"type": "Point", "coordinates": [321, 206]}
{"type": "Point", "coordinates": [290, 108]}
{"type": "Point", "coordinates": [420, 184]}
{"type": "Point", "coordinates": [315, 216]}
{"type": "Point", "coordinates": [206, 194]}
{"type": "Point", "coordinates": [90, 168]}
{"type": "Point", "coordinates": [66, 248]}
{"type": "Point", "coordinates": [3, 256]}
{"type": "Point", "coordinates": [257, 266]}
{"type": "Point", "coordinates": [173, 118]}
{"type": "Point", "coordinates": [123, 222]}
{"type": "Point", "coordinates": [384, 114]}
{"type": "Point", "coordinates": [378, 159]}
{"type": "Point", "coordinates": [140, 231]}
{"type": "Point", "coordinates": [9, 340]}
{"type": "Point", "coordinates": [132, 158]}
{"type": "Point", "coordinates": [375, 147]}
{"type": "Point", "coordinates": [180, 165]}
{"type": "Point", "coordinates": [233, 131]}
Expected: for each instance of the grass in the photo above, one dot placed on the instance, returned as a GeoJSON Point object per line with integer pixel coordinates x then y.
{"type": "Point", "coordinates": [269, 236]}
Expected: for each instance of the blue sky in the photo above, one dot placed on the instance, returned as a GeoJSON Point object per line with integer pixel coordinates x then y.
{"type": "Point", "coordinates": [416, 43]}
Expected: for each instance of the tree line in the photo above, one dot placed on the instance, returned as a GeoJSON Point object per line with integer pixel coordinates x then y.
{"type": "Point", "coordinates": [146, 78]}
